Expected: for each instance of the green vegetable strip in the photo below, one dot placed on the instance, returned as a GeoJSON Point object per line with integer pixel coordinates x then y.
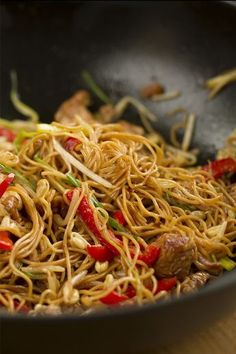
{"type": "Point", "coordinates": [21, 136]}
{"type": "Point", "coordinates": [39, 160]}
{"type": "Point", "coordinates": [96, 203]}
{"type": "Point", "coordinates": [18, 104]}
{"type": "Point", "coordinates": [227, 263]}
{"type": "Point", "coordinates": [31, 275]}
{"type": "Point", "coordinates": [213, 257]}
{"type": "Point", "coordinates": [21, 179]}
{"type": "Point", "coordinates": [95, 88]}
{"type": "Point", "coordinates": [115, 225]}
{"type": "Point", "coordinates": [72, 181]}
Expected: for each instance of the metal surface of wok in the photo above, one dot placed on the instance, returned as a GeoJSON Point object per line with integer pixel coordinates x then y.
{"type": "Point", "coordinates": [124, 45]}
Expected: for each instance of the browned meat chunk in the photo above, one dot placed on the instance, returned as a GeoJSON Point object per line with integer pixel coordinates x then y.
{"type": "Point", "coordinates": [152, 90]}
{"type": "Point", "coordinates": [178, 252]}
{"type": "Point", "coordinates": [75, 105]}
{"type": "Point", "coordinates": [12, 206]}
{"type": "Point", "coordinates": [194, 282]}
{"type": "Point", "coordinates": [131, 128]}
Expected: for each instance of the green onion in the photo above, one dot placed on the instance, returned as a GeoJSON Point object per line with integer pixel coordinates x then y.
{"type": "Point", "coordinates": [39, 160]}
{"type": "Point", "coordinates": [72, 181]}
{"type": "Point", "coordinates": [95, 88]}
{"type": "Point", "coordinates": [21, 136]}
{"type": "Point", "coordinates": [21, 179]}
{"type": "Point", "coordinates": [115, 225]}
{"type": "Point", "coordinates": [227, 263]}
{"type": "Point", "coordinates": [111, 221]}
{"type": "Point", "coordinates": [32, 275]}
{"type": "Point", "coordinates": [96, 203]}
{"type": "Point", "coordinates": [213, 257]}
{"type": "Point", "coordinates": [18, 104]}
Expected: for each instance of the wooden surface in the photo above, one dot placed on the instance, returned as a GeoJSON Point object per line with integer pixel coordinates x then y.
{"type": "Point", "coordinates": [219, 339]}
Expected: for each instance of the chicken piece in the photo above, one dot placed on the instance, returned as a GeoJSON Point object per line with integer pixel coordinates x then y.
{"type": "Point", "coordinates": [131, 128]}
{"type": "Point", "coordinates": [151, 90]}
{"type": "Point", "coordinates": [106, 113]}
{"type": "Point", "coordinates": [178, 252]}
{"type": "Point", "coordinates": [12, 206]}
{"type": "Point", "coordinates": [214, 268]}
{"type": "Point", "coordinates": [194, 282]}
{"type": "Point", "coordinates": [75, 105]}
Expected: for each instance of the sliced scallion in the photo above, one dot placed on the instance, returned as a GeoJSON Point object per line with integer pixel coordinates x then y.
{"type": "Point", "coordinates": [227, 263]}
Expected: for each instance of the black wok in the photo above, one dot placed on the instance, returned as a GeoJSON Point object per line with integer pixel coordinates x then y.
{"type": "Point", "coordinates": [124, 45]}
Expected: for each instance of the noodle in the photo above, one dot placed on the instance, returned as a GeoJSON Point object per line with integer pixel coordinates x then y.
{"type": "Point", "coordinates": [83, 187]}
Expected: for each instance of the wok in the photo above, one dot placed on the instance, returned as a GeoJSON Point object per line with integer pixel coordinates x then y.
{"type": "Point", "coordinates": [124, 45]}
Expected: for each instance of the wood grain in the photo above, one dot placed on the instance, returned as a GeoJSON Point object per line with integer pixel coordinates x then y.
{"type": "Point", "coordinates": [219, 339]}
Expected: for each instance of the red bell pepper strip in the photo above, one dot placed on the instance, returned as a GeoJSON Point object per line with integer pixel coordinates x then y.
{"type": "Point", "coordinates": [100, 253]}
{"type": "Point", "coordinates": [86, 214]}
{"type": "Point", "coordinates": [5, 183]}
{"type": "Point", "coordinates": [219, 167]}
{"type": "Point", "coordinates": [6, 243]}
{"type": "Point", "coordinates": [130, 291]}
{"type": "Point", "coordinates": [118, 215]}
{"type": "Point", "coordinates": [71, 143]}
{"type": "Point", "coordinates": [8, 134]}
{"type": "Point", "coordinates": [113, 298]}
{"type": "Point", "coordinates": [166, 284]}
{"type": "Point", "coordinates": [150, 254]}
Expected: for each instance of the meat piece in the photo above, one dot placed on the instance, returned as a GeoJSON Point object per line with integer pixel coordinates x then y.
{"type": "Point", "coordinates": [75, 105]}
{"type": "Point", "coordinates": [214, 268]}
{"type": "Point", "coordinates": [151, 90]}
{"type": "Point", "coordinates": [106, 113]}
{"type": "Point", "coordinates": [178, 252]}
{"type": "Point", "coordinates": [131, 128]}
{"type": "Point", "coordinates": [59, 206]}
{"type": "Point", "coordinates": [194, 282]}
{"type": "Point", "coordinates": [12, 206]}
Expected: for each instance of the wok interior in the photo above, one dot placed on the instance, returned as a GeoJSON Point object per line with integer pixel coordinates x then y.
{"type": "Point", "coordinates": [124, 47]}
{"type": "Point", "coordinates": [122, 58]}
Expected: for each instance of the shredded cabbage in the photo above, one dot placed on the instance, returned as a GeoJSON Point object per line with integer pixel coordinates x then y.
{"type": "Point", "coordinates": [20, 106]}
{"type": "Point", "coordinates": [87, 172]}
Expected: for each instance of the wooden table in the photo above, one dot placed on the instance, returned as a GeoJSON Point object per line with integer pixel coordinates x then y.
{"type": "Point", "coordinates": [219, 339]}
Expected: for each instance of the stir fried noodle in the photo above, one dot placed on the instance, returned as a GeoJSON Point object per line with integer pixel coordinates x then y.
{"type": "Point", "coordinates": [95, 215]}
